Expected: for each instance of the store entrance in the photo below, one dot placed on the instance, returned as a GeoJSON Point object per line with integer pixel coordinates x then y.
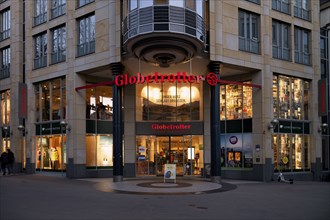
{"type": "Point", "coordinates": [153, 152]}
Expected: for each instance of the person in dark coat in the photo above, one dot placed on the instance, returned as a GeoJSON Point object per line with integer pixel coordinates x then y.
{"type": "Point", "coordinates": [11, 161]}
{"type": "Point", "coordinates": [4, 162]}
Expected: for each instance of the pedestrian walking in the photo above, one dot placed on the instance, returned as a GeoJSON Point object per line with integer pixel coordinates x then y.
{"type": "Point", "coordinates": [4, 162]}
{"type": "Point", "coordinates": [11, 161]}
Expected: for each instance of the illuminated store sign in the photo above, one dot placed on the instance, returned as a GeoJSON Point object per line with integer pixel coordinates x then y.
{"type": "Point", "coordinates": [125, 79]}
{"type": "Point", "coordinates": [170, 126]}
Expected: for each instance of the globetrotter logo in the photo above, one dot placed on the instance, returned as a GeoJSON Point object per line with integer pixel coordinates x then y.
{"type": "Point", "coordinates": [180, 77]}
{"type": "Point", "coordinates": [212, 79]}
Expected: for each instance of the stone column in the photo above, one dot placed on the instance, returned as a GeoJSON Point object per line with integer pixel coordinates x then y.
{"type": "Point", "coordinates": [214, 67]}
{"type": "Point", "coordinates": [117, 69]}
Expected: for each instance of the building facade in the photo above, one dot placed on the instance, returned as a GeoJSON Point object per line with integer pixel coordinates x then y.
{"type": "Point", "coordinates": [221, 89]}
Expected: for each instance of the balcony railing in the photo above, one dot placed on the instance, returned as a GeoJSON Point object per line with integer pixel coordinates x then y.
{"type": "Point", "coordinates": [164, 19]}
{"type": "Point", "coordinates": [58, 11]}
{"type": "Point", "coordinates": [86, 48]}
{"type": "Point", "coordinates": [281, 53]}
{"type": "Point", "coordinates": [40, 62]}
{"type": "Point", "coordinates": [58, 56]}
{"type": "Point", "coordinates": [4, 34]}
{"type": "Point", "coordinates": [5, 71]}
{"type": "Point", "coordinates": [302, 13]}
{"type": "Point", "coordinates": [250, 45]}
{"type": "Point", "coordinates": [41, 18]}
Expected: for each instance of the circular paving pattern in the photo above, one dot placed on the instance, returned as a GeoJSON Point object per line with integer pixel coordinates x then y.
{"type": "Point", "coordinates": [158, 187]}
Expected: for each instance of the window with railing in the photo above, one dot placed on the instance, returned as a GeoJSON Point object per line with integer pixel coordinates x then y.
{"type": "Point", "coordinates": [5, 24]}
{"type": "Point", "coordinates": [58, 8]}
{"type": "Point", "coordinates": [281, 40]}
{"type": "Point", "coordinates": [58, 45]}
{"type": "Point", "coordinates": [302, 46]}
{"type": "Point", "coordinates": [86, 35]}
{"type": "Point", "coordinates": [40, 11]}
{"type": "Point", "coordinates": [5, 63]}
{"type": "Point", "coordinates": [302, 9]}
{"type": "Point", "coordinates": [281, 5]}
{"type": "Point", "coordinates": [249, 31]}
{"type": "Point", "coordinates": [40, 50]}
{"type": "Point", "coordinates": [84, 2]}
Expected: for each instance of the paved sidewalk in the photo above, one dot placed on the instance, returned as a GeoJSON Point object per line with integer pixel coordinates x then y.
{"type": "Point", "coordinates": [55, 197]}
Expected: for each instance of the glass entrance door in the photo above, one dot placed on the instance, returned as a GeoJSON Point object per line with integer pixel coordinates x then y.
{"type": "Point", "coordinates": [153, 152]}
{"type": "Point", "coordinates": [171, 150]}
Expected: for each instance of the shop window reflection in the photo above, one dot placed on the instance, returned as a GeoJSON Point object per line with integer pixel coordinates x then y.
{"type": "Point", "coordinates": [99, 150]}
{"type": "Point", "coordinates": [168, 102]}
{"type": "Point", "coordinates": [99, 103]}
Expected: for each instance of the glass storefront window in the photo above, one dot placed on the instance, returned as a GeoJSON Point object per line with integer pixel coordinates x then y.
{"type": "Point", "coordinates": [153, 152]}
{"type": "Point", "coordinates": [51, 152]}
{"type": "Point", "coordinates": [235, 102]}
{"type": "Point", "coordinates": [99, 103]}
{"type": "Point", "coordinates": [5, 107]}
{"type": "Point", "coordinates": [50, 100]}
{"type": "Point", "coordinates": [291, 152]}
{"type": "Point", "coordinates": [99, 149]}
{"type": "Point", "coordinates": [290, 98]}
{"type": "Point", "coordinates": [168, 102]}
{"type": "Point", "coordinates": [236, 150]}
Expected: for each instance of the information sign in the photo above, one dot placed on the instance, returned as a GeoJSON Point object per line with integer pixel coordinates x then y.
{"type": "Point", "coordinates": [170, 172]}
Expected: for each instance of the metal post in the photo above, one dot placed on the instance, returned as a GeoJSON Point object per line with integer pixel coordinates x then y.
{"type": "Point", "coordinates": [214, 67]}
{"type": "Point", "coordinates": [117, 69]}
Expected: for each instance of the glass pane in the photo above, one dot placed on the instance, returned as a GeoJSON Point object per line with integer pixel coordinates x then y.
{"type": "Point", "coordinates": [247, 100]}
{"type": "Point", "coordinates": [132, 4]}
{"type": "Point", "coordinates": [56, 99]}
{"type": "Point", "coordinates": [234, 102]}
{"type": "Point", "coordinates": [297, 98]}
{"type": "Point", "coordinates": [90, 151]}
{"type": "Point", "coordinates": [284, 97]}
{"type": "Point", "coordinates": [222, 102]}
{"type": "Point", "coordinates": [297, 146]}
{"type": "Point", "coordinates": [284, 148]}
{"type": "Point", "coordinates": [45, 101]}
{"type": "Point", "coordinates": [178, 3]}
{"type": "Point", "coordinates": [145, 3]}
{"type": "Point", "coordinates": [104, 150]}
{"type": "Point", "coordinates": [275, 97]}
{"type": "Point", "coordinates": [306, 152]}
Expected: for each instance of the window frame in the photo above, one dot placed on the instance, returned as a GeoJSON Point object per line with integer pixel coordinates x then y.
{"type": "Point", "coordinates": [58, 8]}
{"type": "Point", "coordinates": [279, 38]}
{"type": "Point", "coordinates": [302, 9]}
{"type": "Point", "coordinates": [86, 45]}
{"type": "Point", "coordinates": [300, 42]}
{"type": "Point", "coordinates": [58, 53]}
{"type": "Point", "coordinates": [5, 62]}
{"type": "Point", "coordinates": [5, 24]}
{"type": "Point", "coordinates": [249, 40]}
{"type": "Point", "coordinates": [40, 55]}
{"type": "Point", "coordinates": [40, 12]}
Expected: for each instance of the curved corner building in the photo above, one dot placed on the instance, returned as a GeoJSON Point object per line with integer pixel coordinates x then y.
{"type": "Point", "coordinates": [221, 89]}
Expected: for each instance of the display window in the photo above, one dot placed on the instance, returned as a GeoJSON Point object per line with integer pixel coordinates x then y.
{"type": "Point", "coordinates": [153, 152]}
{"type": "Point", "coordinates": [236, 150]}
{"type": "Point", "coordinates": [5, 119]}
{"type": "Point", "coordinates": [169, 102]}
{"type": "Point", "coordinates": [235, 102]}
{"type": "Point", "coordinates": [291, 152]}
{"type": "Point", "coordinates": [290, 98]}
{"type": "Point", "coordinates": [99, 103]}
{"type": "Point", "coordinates": [51, 152]}
{"type": "Point", "coordinates": [99, 150]}
{"type": "Point", "coordinates": [50, 99]}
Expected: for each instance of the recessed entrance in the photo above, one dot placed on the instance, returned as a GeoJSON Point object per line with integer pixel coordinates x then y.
{"type": "Point", "coordinates": [153, 152]}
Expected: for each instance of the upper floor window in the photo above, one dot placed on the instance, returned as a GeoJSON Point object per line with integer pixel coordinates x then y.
{"type": "Point", "coordinates": [58, 8]}
{"type": "Point", "coordinates": [290, 98]}
{"type": "Point", "coordinates": [86, 35]}
{"type": "Point", "coordinates": [40, 50]}
{"type": "Point", "coordinates": [249, 29]}
{"type": "Point", "coordinates": [324, 52]}
{"type": "Point", "coordinates": [5, 24]}
{"type": "Point", "coordinates": [302, 46]}
{"type": "Point", "coordinates": [50, 100]}
{"type": "Point", "coordinates": [84, 2]}
{"type": "Point", "coordinates": [5, 63]}
{"type": "Point", "coordinates": [40, 11]}
{"type": "Point", "coordinates": [1, 1]}
{"type": "Point", "coordinates": [281, 5]}
{"type": "Point", "coordinates": [58, 45]}
{"type": "Point", "coordinates": [302, 9]}
{"type": "Point", "coordinates": [281, 40]}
